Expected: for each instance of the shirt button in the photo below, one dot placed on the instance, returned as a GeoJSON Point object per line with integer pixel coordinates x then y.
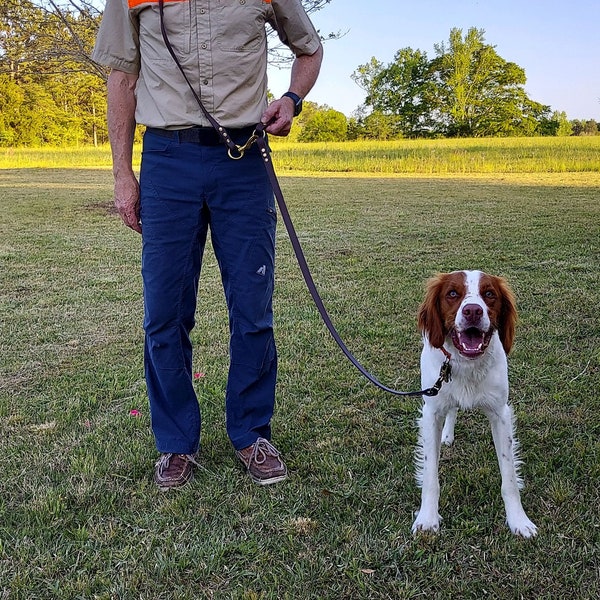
{"type": "Point", "coordinates": [204, 46]}
{"type": "Point", "coordinates": [205, 82]}
{"type": "Point", "coordinates": [202, 11]}
{"type": "Point", "coordinates": [242, 2]}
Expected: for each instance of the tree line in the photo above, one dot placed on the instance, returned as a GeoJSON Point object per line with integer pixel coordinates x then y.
{"type": "Point", "coordinates": [466, 90]}
{"type": "Point", "coordinates": [51, 92]}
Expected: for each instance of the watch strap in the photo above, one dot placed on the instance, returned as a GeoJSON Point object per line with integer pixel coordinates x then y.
{"type": "Point", "coordinates": [297, 102]}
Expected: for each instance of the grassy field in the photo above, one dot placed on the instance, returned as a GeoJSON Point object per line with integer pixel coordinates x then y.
{"type": "Point", "coordinates": [79, 515]}
{"type": "Point", "coordinates": [424, 157]}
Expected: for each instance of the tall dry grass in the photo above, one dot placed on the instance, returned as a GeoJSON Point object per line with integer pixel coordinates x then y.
{"type": "Point", "coordinates": [421, 157]}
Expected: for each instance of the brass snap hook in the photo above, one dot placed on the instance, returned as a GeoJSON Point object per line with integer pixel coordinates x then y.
{"type": "Point", "coordinates": [242, 149]}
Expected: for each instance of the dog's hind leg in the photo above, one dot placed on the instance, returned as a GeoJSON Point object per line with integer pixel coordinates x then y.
{"type": "Point", "coordinates": [428, 458]}
{"type": "Point", "coordinates": [502, 424]}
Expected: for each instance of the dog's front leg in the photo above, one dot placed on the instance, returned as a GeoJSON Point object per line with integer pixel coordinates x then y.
{"type": "Point", "coordinates": [428, 457]}
{"type": "Point", "coordinates": [502, 424]}
{"type": "Point", "coordinates": [449, 423]}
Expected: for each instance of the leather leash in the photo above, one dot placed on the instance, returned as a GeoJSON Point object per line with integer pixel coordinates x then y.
{"type": "Point", "coordinates": [445, 371]}
{"type": "Point", "coordinates": [236, 152]}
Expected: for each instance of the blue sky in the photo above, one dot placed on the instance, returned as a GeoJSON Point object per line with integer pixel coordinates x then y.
{"type": "Point", "coordinates": [557, 42]}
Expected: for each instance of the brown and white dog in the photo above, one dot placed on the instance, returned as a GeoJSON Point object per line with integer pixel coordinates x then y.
{"type": "Point", "coordinates": [470, 316]}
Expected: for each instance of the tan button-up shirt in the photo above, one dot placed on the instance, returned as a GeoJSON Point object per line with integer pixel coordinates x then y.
{"type": "Point", "coordinates": [221, 44]}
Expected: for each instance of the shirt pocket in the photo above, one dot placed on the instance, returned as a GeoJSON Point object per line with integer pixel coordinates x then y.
{"type": "Point", "coordinates": [241, 25]}
{"type": "Point", "coordinates": [178, 25]}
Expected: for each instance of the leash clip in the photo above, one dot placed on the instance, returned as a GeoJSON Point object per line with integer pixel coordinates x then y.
{"type": "Point", "coordinates": [445, 377]}
{"type": "Point", "coordinates": [446, 371]}
{"type": "Point", "coordinates": [241, 150]}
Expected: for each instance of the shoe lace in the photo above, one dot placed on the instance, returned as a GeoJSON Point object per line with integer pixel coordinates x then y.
{"type": "Point", "coordinates": [165, 460]}
{"type": "Point", "coordinates": [261, 450]}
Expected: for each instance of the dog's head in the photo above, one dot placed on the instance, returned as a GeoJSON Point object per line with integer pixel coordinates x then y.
{"type": "Point", "coordinates": [468, 307]}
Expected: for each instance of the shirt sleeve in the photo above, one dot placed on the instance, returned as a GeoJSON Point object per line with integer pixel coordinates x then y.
{"type": "Point", "coordinates": [117, 42]}
{"type": "Point", "coordinates": [294, 27]}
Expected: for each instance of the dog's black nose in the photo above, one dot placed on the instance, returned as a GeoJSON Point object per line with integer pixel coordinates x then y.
{"type": "Point", "coordinates": [472, 312]}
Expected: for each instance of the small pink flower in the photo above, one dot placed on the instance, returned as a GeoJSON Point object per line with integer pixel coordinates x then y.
{"type": "Point", "coordinates": [134, 413]}
{"type": "Point", "coordinates": [198, 375]}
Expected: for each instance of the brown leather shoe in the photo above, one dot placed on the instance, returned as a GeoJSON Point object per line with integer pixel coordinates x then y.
{"type": "Point", "coordinates": [263, 462]}
{"type": "Point", "coordinates": [174, 470]}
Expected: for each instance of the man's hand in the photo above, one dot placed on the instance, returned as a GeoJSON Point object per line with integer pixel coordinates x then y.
{"type": "Point", "coordinates": [127, 201]}
{"type": "Point", "coordinates": [279, 116]}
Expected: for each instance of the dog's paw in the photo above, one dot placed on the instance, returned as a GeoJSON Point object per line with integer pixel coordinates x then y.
{"type": "Point", "coordinates": [448, 430]}
{"type": "Point", "coordinates": [448, 438]}
{"type": "Point", "coordinates": [426, 523]}
{"type": "Point", "coordinates": [523, 527]}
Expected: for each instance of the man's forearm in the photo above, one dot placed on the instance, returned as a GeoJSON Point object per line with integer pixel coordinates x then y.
{"type": "Point", "coordinates": [280, 113]}
{"type": "Point", "coordinates": [121, 129]}
{"type": "Point", "coordinates": [121, 119]}
{"type": "Point", "coordinates": [305, 71]}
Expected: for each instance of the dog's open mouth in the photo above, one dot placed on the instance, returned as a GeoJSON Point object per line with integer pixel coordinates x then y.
{"type": "Point", "coordinates": [471, 342]}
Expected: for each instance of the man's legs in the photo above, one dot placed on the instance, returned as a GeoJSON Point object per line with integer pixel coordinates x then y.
{"type": "Point", "coordinates": [184, 188]}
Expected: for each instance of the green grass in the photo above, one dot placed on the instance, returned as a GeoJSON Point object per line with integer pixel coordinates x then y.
{"type": "Point", "coordinates": [79, 515]}
{"type": "Point", "coordinates": [425, 157]}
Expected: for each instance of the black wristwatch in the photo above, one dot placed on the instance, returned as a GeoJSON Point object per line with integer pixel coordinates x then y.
{"type": "Point", "coordinates": [297, 102]}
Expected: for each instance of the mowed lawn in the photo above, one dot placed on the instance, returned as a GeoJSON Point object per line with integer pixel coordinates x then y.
{"type": "Point", "coordinates": [79, 515]}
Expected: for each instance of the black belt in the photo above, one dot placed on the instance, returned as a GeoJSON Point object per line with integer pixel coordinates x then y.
{"type": "Point", "coordinates": [204, 136]}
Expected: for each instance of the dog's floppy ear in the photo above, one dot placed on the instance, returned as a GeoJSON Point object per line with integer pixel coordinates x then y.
{"type": "Point", "coordinates": [430, 317]}
{"type": "Point", "coordinates": [508, 314]}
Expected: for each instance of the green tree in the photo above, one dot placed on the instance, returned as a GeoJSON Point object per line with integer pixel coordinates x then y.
{"type": "Point", "coordinates": [590, 127]}
{"type": "Point", "coordinates": [366, 77]}
{"type": "Point", "coordinates": [403, 90]}
{"type": "Point", "coordinates": [44, 37]}
{"type": "Point", "coordinates": [24, 121]}
{"type": "Point", "coordinates": [480, 93]}
{"type": "Point", "coordinates": [325, 126]}
{"type": "Point", "coordinates": [466, 90]}
{"type": "Point", "coordinates": [44, 50]}
{"type": "Point", "coordinates": [577, 127]}
{"type": "Point", "coordinates": [563, 125]}
{"type": "Point", "coordinates": [374, 126]}
{"type": "Point", "coordinates": [11, 99]}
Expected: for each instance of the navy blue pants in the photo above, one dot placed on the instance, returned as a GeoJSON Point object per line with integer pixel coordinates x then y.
{"type": "Point", "coordinates": [187, 188]}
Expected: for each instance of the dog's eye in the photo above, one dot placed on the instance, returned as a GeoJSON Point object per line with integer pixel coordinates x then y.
{"type": "Point", "coordinates": [489, 295]}
{"type": "Point", "coordinates": [452, 294]}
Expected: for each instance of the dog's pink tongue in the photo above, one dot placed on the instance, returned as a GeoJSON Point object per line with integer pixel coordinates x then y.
{"type": "Point", "coordinates": [470, 342]}
{"type": "Point", "coordinates": [471, 339]}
